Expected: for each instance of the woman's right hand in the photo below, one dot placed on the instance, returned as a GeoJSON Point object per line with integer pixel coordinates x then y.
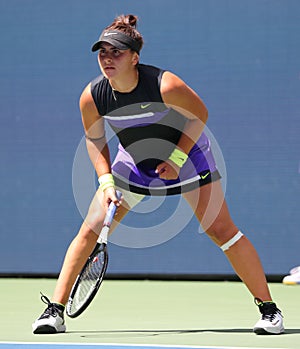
{"type": "Point", "coordinates": [109, 195]}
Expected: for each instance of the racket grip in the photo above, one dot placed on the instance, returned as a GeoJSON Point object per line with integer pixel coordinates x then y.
{"type": "Point", "coordinates": [111, 211]}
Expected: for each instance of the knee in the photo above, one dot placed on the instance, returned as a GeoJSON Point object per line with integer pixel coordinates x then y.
{"type": "Point", "coordinates": [221, 232]}
{"type": "Point", "coordinates": [227, 245]}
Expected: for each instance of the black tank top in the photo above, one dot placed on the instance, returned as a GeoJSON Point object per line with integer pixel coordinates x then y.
{"type": "Point", "coordinates": [145, 126]}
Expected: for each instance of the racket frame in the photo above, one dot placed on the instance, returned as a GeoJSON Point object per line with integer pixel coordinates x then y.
{"type": "Point", "coordinates": [101, 244]}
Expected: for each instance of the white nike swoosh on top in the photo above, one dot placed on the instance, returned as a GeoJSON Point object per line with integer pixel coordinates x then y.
{"type": "Point", "coordinates": [108, 34]}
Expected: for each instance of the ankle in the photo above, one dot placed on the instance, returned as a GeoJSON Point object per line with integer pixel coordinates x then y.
{"type": "Point", "coordinates": [59, 306]}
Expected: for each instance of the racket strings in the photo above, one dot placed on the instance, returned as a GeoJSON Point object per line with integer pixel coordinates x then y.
{"type": "Point", "coordinates": [92, 274]}
{"type": "Point", "coordinates": [88, 279]}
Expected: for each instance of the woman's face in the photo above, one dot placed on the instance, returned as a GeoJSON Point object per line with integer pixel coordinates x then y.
{"type": "Point", "coordinates": [115, 63]}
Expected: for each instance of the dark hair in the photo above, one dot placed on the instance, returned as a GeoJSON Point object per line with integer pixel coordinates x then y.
{"type": "Point", "coordinates": [127, 24]}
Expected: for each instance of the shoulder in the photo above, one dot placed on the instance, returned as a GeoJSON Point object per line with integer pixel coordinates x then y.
{"type": "Point", "coordinates": [95, 94]}
{"type": "Point", "coordinates": [174, 88]}
{"type": "Point", "coordinates": [99, 81]}
{"type": "Point", "coordinates": [150, 71]}
{"type": "Point", "coordinates": [176, 93]}
{"type": "Point", "coordinates": [86, 101]}
{"type": "Point", "coordinates": [99, 85]}
{"type": "Point", "coordinates": [89, 113]}
{"type": "Point", "coordinates": [171, 83]}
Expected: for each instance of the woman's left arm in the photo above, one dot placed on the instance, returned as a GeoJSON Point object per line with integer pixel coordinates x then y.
{"type": "Point", "coordinates": [179, 96]}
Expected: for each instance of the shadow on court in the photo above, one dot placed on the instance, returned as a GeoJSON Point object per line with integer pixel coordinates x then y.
{"type": "Point", "coordinates": [150, 333]}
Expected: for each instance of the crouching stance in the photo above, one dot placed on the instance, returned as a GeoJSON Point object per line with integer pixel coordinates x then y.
{"type": "Point", "coordinates": [159, 121]}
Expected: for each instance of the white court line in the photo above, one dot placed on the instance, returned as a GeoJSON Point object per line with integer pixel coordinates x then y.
{"type": "Point", "coordinates": [120, 345]}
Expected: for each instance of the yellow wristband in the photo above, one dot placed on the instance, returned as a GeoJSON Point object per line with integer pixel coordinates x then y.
{"type": "Point", "coordinates": [178, 157]}
{"type": "Point", "coordinates": [106, 181]}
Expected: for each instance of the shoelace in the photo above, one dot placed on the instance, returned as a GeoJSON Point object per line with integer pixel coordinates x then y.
{"type": "Point", "coordinates": [51, 309]}
{"type": "Point", "coordinates": [269, 317]}
{"type": "Point", "coordinates": [267, 309]}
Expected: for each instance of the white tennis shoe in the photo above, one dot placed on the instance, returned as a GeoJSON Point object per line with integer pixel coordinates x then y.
{"type": "Point", "coordinates": [52, 319]}
{"type": "Point", "coordinates": [271, 321]}
{"type": "Point", "coordinates": [293, 278]}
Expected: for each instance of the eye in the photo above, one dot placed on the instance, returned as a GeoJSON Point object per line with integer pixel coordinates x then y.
{"type": "Point", "coordinates": [102, 52]}
{"type": "Point", "coordinates": [116, 52]}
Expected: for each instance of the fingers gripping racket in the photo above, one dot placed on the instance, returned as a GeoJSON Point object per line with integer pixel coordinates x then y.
{"type": "Point", "coordinates": [90, 278]}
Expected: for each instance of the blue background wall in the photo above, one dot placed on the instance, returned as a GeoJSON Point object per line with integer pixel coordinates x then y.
{"type": "Point", "coordinates": [242, 57]}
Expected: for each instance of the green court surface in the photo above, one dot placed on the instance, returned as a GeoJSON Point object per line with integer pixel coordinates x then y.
{"type": "Point", "coordinates": [181, 313]}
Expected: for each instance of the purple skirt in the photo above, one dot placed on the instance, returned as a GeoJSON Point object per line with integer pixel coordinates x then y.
{"type": "Point", "coordinates": [199, 169]}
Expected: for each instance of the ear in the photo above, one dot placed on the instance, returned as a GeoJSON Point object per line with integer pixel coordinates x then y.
{"type": "Point", "coordinates": [135, 58]}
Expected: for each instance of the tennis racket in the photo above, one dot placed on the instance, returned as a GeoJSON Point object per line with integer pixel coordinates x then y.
{"type": "Point", "coordinates": [91, 276]}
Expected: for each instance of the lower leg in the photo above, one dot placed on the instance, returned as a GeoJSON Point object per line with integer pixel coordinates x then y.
{"type": "Point", "coordinates": [246, 263]}
{"type": "Point", "coordinates": [211, 210]}
{"type": "Point", "coordinates": [77, 254]}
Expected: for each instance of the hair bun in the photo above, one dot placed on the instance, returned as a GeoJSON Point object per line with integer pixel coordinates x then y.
{"type": "Point", "coordinates": [127, 24]}
{"type": "Point", "coordinates": [131, 20]}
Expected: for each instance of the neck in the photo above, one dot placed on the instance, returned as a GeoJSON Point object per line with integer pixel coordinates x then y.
{"type": "Point", "coordinates": [125, 85]}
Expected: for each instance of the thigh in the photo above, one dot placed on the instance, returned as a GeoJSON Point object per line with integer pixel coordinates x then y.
{"type": "Point", "coordinates": [96, 213]}
{"type": "Point", "coordinates": [211, 210]}
{"type": "Point", "coordinates": [129, 201]}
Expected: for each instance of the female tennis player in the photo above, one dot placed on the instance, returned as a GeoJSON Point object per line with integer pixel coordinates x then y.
{"type": "Point", "coordinates": [159, 121]}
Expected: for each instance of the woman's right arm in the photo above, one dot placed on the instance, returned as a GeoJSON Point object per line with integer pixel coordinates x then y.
{"type": "Point", "coordinates": [96, 143]}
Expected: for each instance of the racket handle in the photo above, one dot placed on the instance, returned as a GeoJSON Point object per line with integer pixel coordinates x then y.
{"type": "Point", "coordinates": [111, 211]}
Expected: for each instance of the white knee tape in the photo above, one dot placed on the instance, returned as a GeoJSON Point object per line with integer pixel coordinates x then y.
{"type": "Point", "coordinates": [232, 241]}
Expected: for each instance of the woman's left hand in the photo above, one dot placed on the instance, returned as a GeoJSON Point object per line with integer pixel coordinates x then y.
{"type": "Point", "coordinates": [167, 170]}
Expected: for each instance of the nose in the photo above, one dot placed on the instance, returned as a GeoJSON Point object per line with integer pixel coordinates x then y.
{"type": "Point", "coordinates": [108, 60]}
{"type": "Point", "coordinates": [108, 57]}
